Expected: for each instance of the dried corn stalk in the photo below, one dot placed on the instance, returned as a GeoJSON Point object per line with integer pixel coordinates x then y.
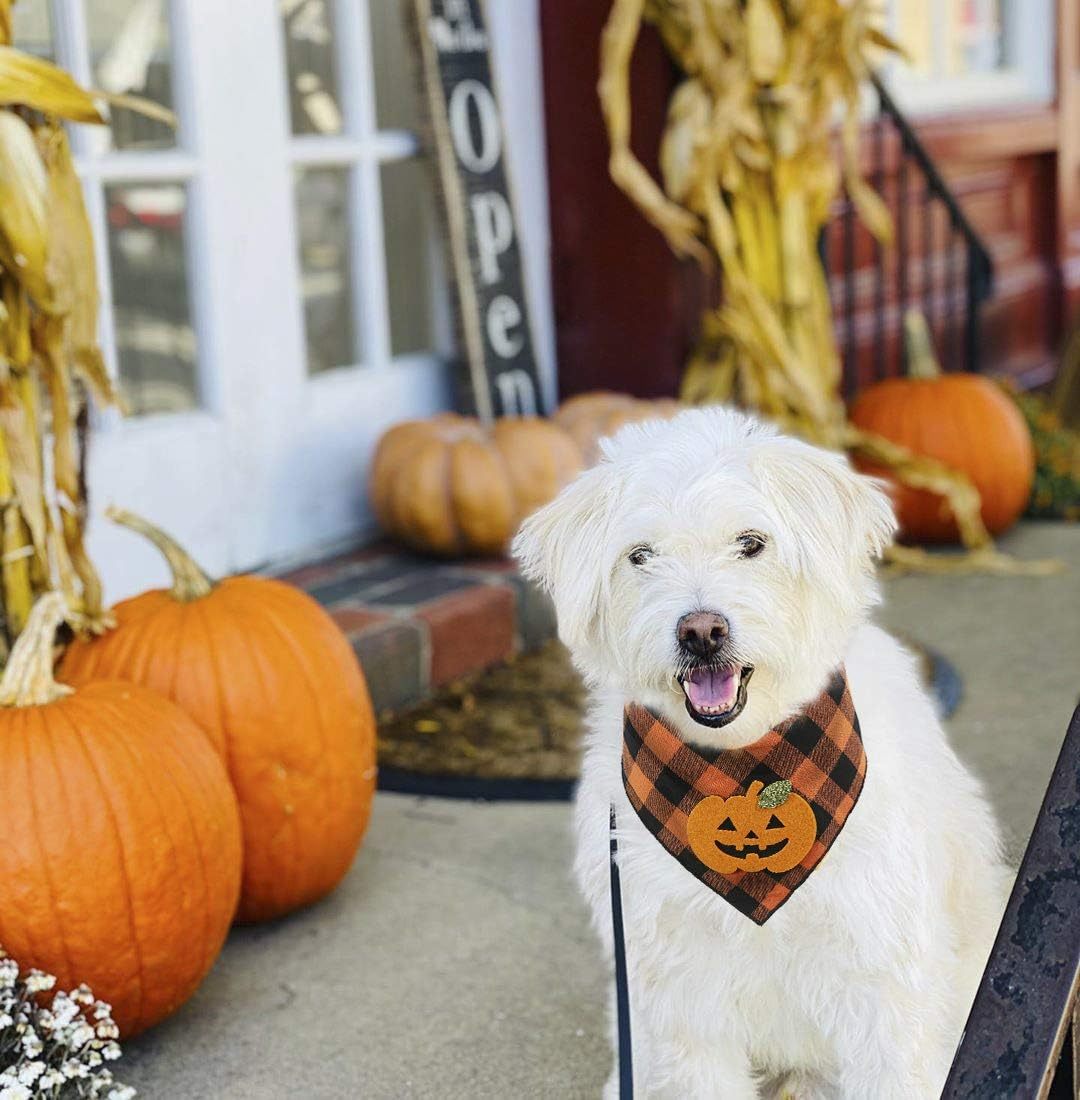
{"type": "Point", "coordinates": [749, 177]}
{"type": "Point", "coordinates": [49, 355]}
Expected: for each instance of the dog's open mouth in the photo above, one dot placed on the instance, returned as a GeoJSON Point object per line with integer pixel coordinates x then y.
{"type": "Point", "coordinates": [715, 694]}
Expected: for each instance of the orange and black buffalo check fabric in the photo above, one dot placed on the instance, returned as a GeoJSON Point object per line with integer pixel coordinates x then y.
{"type": "Point", "coordinates": [819, 750]}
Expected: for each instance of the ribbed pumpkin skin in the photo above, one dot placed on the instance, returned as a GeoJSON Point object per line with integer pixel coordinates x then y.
{"type": "Point", "coordinates": [451, 486]}
{"type": "Point", "coordinates": [590, 417]}
{"type": "Point", "coordinates": [268, 674]}
{"type": "Point", "coordinates": [968, 423]}
{"type": "Point", "coordinates": [120, 851]}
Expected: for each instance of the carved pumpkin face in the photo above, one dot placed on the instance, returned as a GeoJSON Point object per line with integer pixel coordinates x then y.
{"type": "Point", "coordinates": [753, 832]}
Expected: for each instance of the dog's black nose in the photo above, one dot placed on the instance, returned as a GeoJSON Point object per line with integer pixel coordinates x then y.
{"type": "Point", "coordinates": [702, 633]}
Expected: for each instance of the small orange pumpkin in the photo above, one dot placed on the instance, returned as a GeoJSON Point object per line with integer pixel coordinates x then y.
{"type": "Point", "coordinates": [451, 485]}
{"type": "Point", "coordinates": [741, 834]}
{"type": "Point", "coordinates": [268, 674]}
{"type": "Point", "coordinates": [120, 859]}
{"type": "Point", "coordinates": [590, 417]}
{"type": "Point", "coordinates": [966, 422]}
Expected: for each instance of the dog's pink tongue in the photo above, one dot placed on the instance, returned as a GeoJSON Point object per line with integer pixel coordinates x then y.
{"type": "Point", "coordinates": [712, 689]}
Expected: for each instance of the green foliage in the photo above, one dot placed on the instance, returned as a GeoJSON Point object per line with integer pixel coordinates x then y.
{"type": "Point", "coordinates": [1056, 493]}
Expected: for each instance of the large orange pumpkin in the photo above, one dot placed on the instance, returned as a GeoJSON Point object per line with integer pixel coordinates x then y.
{"type": "Point", "coordinates": [268, 674]}
{"type": "Point", "coordinates": [964, 421]}
{"type": "Point", "coordinates": [451, 485]}
{"type": "Point", "coordinates": [119, 835]}
{"type": "Point", "coordinates": [590, 417]}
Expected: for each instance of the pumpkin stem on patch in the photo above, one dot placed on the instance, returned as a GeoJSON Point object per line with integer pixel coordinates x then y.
{"type": "Point", "coordinates": [28, 676]}
{"type": "Point", "coordinates": [775, 794]}
{"type": "Point", "coordinates": [189, 581]}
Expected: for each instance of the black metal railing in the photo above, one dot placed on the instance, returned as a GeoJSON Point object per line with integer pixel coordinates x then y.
{"type": "Point", "coordinates": [937, 263]}
{"type": "Point", "coordinates": [1021, 1040]}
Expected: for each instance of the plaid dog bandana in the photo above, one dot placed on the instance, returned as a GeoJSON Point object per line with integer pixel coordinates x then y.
{"type": "Point", "coordinates": [750, 823]}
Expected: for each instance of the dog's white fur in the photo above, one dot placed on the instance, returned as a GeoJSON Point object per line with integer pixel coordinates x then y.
{"type": "Point", "coordinates": [859, 987]}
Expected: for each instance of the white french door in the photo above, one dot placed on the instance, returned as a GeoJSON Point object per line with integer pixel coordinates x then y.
{"type": "Point", "coordinates": [272, 290]}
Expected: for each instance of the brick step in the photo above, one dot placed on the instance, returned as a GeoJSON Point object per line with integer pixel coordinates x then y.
{"type": "Point", "coordinates": [418, 624]}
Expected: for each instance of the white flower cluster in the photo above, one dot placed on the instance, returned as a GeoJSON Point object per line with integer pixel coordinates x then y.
{"type": "Point", "coordinates": [54, 1053]}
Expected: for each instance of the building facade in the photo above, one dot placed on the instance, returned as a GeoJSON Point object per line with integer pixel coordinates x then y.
{"type": "Point", "coordinates": [275, 292]}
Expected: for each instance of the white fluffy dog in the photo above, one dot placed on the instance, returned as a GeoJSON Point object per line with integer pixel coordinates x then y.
{"type": "Point", "coordinates": [859, 987]}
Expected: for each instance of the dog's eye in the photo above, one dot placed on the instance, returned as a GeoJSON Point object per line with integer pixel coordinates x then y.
{"type": "Point", "coordinates": [750, 544]}
{"type": "Point", "coordinates": [640, 555]}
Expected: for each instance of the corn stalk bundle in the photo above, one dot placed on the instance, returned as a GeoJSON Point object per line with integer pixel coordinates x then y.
{"type": "Point", "coordinates": [49, 355]}
{"type": "Point", "coordinates": [748, 179]}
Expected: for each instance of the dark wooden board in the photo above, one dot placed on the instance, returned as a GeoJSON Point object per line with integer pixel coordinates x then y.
{"type": "Point", "coordinates": [500, 375]}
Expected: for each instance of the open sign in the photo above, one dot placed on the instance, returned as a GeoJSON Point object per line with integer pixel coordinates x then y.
{"type": "Point", "coordinates": [501, 377]}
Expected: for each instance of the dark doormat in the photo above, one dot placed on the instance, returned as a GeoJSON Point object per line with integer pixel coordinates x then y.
{"type": "Point", "coordinates": [514, 732]}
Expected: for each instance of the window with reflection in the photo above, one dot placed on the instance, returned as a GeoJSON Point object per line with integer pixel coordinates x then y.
{"type": "Point", "coordinates": [137, 195]}
{"type": "Point", "coordinates": [325, 236]}
{"type": "Point", "coordinates": [358, 165]}
{"type": "Point", "coordinates": [131, 54]}
{"type": "Point", "coordinates": [972, 53]}
{"type": "Point", "coordinates": [154, 335]}
{"type": "Point", "coordinates": [31, 28]}
{"type": "Point", "coordinates": [312, 63]}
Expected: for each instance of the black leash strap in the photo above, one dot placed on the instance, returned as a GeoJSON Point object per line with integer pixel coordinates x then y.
{"type": "Point", "coordinates": [622, 986]}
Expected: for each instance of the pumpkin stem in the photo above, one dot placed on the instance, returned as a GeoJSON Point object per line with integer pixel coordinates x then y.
{"type": "Point", "coordinates": [28, 676]}
{"type": "Point", "coordinates": [189, 581]}
{"type": "Point", "coordinates": [919, 345]}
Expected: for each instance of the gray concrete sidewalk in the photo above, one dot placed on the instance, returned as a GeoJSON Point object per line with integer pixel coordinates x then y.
{"type": "Point", "coordinates": [456, 960]}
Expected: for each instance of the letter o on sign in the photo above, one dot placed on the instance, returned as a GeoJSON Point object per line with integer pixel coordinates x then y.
{"type": "Point", "coordinates": [479, 154]}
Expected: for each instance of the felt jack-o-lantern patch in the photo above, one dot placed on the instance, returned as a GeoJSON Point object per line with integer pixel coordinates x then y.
{"type": "Point", "coordinates": [767, 829]}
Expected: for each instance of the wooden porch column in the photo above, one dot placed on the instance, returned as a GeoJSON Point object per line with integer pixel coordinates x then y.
{"type": "Point", "coordinates": [1068, 160]}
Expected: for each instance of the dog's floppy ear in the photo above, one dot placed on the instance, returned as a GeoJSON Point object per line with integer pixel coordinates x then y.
{"type": "Point", "coordinates": [838, 516]}
{"type": "Point", "coordinates": [564, 547]}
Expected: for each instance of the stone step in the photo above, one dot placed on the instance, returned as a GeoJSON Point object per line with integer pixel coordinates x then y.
{"type": "Point", "coordinates": [418, 624]}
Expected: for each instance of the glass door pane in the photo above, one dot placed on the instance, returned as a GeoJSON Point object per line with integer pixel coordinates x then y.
{"type": "Point", "coordinates": [396, 68]}
{"type": "Point", "coordinates": [131, 53]}
{"type": "Point", "coordinates": [155, 338]}
{"type": "Point", "coordinates": [412, 271]}
{"type": "Point", "coordinates": [325, 237]}
{"type": "Point", "coordinates": [312, 67]}
{"type": "Point", "coordinates": [31, 28]}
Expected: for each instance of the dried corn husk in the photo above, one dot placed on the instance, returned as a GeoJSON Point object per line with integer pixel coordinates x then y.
{"type": "Point", "coordinates": [764, 40]}
{"type": "Point", "coordinates": [48, 338]}
{"type": "Point", "coordinates": [24, 188]}
{"type": "Point", "coordinates": [72, 271]}
{"type": "Point", "coordinates": [31, 82]}
{"type": "Point", "coordinates": [749, 178]}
